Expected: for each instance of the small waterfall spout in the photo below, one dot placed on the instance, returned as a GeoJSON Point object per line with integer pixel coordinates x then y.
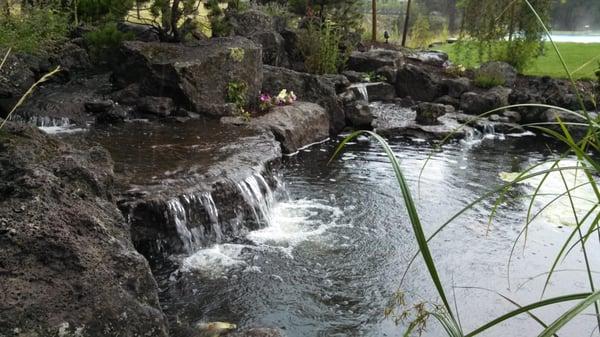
{"type": "Point", "coordinates": [258, 195]}
{"type": "Point", "coordinates": [361, 89]}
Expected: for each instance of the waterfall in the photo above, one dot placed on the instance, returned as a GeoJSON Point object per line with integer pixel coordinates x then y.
{"type": "Point", "coordinates": [361, 88]}
{"type": "Point", "coordinates": [196, 218]}
{"type": "Point", "coordinates": [258, 195]}
{"type": "Point", "coordinates": [45, 121]}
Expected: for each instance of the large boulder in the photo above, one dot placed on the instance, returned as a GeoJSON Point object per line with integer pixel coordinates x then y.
{"type": "Point", "coordinates": [372, 60]}
{"type": "Point", "coordinates": [497, 69]}
{"type": "Point", "coordinates": [15, 78]}
{"type": "Point", "coordinates": [428, 113]}
{"type": "Point", "coordinates": [418, 83]}
{"type": "Point", "coordinates": [195, 76]}
{"type": "Point", "coordinates": [381, 91]}
{"type": "Point", "coordinates": [259, 27]}
{"type": "Point", "coordinates": [457, 86]}
{"type": "Point", "coordinates": [358, 114]}
{"type": "Point", "coordinates": [476, 103]}
{"type": "Point", "coordinates": [308, 87]}
{"type": "Point", "coordinates": [67, 264]}
{"type": "Point", "coordinates": [296, 125]}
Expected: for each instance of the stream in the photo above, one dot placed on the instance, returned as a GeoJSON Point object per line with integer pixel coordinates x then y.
{"type": "Point", "coordinates": [337, 240]}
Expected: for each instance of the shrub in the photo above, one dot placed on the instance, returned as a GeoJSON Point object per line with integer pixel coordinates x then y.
{"type": "Point", "coordinates": [34, 31]}
{"type": "Point", "coordinates": [320, 48]}
{"type": "Point", "coordinates": [103, 10]}
{"type": "Point", "coordinates": [103, 42]}
{"type": "Point", "coordinates": [237, 93]}
{"type": "Point", "coordinates": [488, 80]}
{"type": "Point", "coordinates": [420, 34]}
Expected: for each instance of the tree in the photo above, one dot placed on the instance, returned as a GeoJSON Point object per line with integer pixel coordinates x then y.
{"type": "Point", "coordinates": [505, 30]}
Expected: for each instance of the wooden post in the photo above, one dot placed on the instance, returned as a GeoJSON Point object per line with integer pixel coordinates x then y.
{"type": "Point", "coordinates": [374, 19]}
{"type": "Point", "coordinates": [406, 19]}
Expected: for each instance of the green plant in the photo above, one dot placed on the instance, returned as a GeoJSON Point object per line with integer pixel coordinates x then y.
{"type": "Point", "coordinates": [421, 35]}
{"type": "Point", "coordinates": [93, 11]}
{"type": "Point", "coordinates": [36, 31]}
{"type": "Point", "coordinates": [585, 228]}
{"type": "Point", "coordinates": [319, 45]}
{"type": "Point", "coordinates": [488, 80]}
{"type": "Point", "coordinates": [237, 93]}
{"type": "Point", "coordinates": [371, 76]}
{"type": "Point", "coordinates": [103, 42]}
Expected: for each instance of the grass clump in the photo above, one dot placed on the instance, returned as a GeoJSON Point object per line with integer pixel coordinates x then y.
{"type": "Point", "coordinates": [104, 41]}
{"type": "Point", "coordinates": [319, 45]}
{"type": "Point", "coordinates": [487, 80]}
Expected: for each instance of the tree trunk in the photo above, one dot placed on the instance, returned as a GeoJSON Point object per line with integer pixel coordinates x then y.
{"type": "Point", "coordinates": [406, 19]}
{"type": "Point", "coordinates": [175, 14]}
{"type": "Point", "coordinates": [374, 17]}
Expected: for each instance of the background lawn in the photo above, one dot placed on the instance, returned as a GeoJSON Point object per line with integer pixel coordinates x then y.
{"type": "Point", "coordinates": [581, 58]}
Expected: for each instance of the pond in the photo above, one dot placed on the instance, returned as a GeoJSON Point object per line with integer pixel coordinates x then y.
{"type": "Point", "coordinates": [576, 37]}
{"type": "Point", "coordinates": [338, 241]}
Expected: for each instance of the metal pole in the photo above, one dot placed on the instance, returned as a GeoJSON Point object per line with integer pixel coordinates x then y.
{"type": "Point", "coordinates": [374, 19]}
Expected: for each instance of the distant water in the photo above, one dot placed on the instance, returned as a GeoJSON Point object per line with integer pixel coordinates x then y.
{"type": "Point", "coordinates": [578, 37]}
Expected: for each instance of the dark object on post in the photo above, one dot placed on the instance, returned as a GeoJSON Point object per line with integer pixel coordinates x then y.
{"type": "Point", "coordinates": [386, 35]}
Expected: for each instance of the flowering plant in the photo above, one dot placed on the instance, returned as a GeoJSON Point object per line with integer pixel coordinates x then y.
{"type": "Point", "coordinates": [283, 98]}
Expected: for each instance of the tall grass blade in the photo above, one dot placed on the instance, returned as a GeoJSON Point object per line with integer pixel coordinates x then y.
{"type": "Point", "coordinates": [570, 314]}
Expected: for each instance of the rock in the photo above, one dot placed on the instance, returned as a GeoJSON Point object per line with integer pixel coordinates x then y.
{"type": "Point", "coordinates": [73, 58]}
{"type": "Point", "coordinates": [97, 106]}
{"type": "Point", "coordinates": [428, 113]}
{"type": "Point", "coordinates": [431, 57]}
{"type": "Point", "coordinates": [513, 116]}
{"type": "Point", "coordinates": [417, 83]}
{"type": "Point", "coordinates": [296, 125]}
{"type": "Point", "coordinates": [447, 100]}
{"type": "Point", "coordinates": [307, 87]}
{"type": "Point", "coordinates": [372, 60]}
{"type": "Point", "coordinates": [358, 114]}
{"type": "Point", "coordinates": [347, 96]}
{"type": "Point", "coordinates": [258, 26]}
{"type": "Point", "coordinates": [554, 115]}
{"type": "Point", "coordinates": [381, 91]}
{"type": "Point", "coordinates": [258, 332]}
{"type": "Point", "coordinates": [15, 78]}
{"type": "Point", "coordinates": [341, 82]}
{"type": "Point", "coordinates": [457, 86]}
{"type": "Point", "coordinates": [140, 32]}
{"type": "Point", "coordinates": [128, 95]}
{"type": "Point", "coordinates": [114, 115]}
{"type": "Point", "coordinates": [55, 101]}
{"type": "Point", "coordinates": [290, 40]}
{"type": "Point", "coordinates": [389, 73]}
{"type": "Point", "coordinates": [502, 69]}
{"type": "Point", "coordinates": [354, 76]}
{"type": "Point", "coordinates": [474, 103]}
{"type": "Point", "coordinates": [68, 264]}
{"type": "Point", "coordinates": [195, 76]}
{"type": "Point", "coordinates": [157, 106]}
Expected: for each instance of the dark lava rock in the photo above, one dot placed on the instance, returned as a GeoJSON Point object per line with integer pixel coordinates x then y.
{"type": "Point", "coordinates": [195, 76]}
{"type": "Point", "coordinates": [417, 83]}
{"type": "Point", "coordinates": [430, 57]}
{"type": "Point", "coordinates": [140, 32]}
{"type": "Point", "coordinates": [457, 86]}
{"type": "Point", "coordinates": [373, 60]}
{"type": "Point", "coordinates": [15, 78]}
{"type": "Point", "coordinates": [340, 81]}
{"type": "Point", "coordinates": [156, 106]}
{"type": "Point", "coordinates": [308, 87]}
{"type": "Point", "coordinates": [428, 113]}
{"type": "Point", "coordinates": [67, 264]}
{"type": "Point", "coordinates": [355, 76]}
{"type": "Point", "coordinates": [381, 91]}
{"type": "Point", "coordinates": [97, 106]}
{"type": "Point", "coordinates": [115, 114]}
{"type": "Point", "coordinates": [296, 125]}
{"type": "Point", "coordinates": [358, 114]}
{"type": "Point", "coordinates": [73, 58]}
{"type": "Point", "coordinates": [447, 100]}
{"type": "Point", "coordinates": [390, 74]}
{"type": "Point", "coordinates": [475, 103]}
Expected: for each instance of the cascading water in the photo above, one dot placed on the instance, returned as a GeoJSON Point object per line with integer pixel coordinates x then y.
{"type": "Point", "coordinates": [362, 90]}
{"type": "Point", "coordinates": [46, 122]}
{"type": "Point", "coordinates": [196, 216]}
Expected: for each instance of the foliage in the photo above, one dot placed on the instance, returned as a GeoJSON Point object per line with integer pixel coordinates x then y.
{"type": "Point", "coordinates": [420, 35]}
{"type": "Point", "coordinates": [237, 93]}
{"type": "Point", "coordinates": [93, 11]}
{"type": "Point", "coordinates": [345, 15]}
{"type": "Point", "coordinates": [320, 47]}
{"type": "Point", "coordinates": [219, 24]}
{"type": "Point", "coordinates": [105, 40]}
{"type": "Point", "coordinates": [236, 54]}
{"type": "Point", "coordinates": [34, 32]}
{"type": "Point", "coordinates": [490, 22]}
{"type": "Point", "coordinates": [373, 77]}
{"type": "Point", "coordinates": [488, 80]}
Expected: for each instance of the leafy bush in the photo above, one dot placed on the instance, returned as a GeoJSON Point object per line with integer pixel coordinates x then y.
{"type": "Point", "coordinates": [320, 48]}
{"type": "Point", "coordinates": [219, 24]}
{"type": "Point", "coordinates": [34, 31]}
{"type": "Point", "coordinates": [103, 10]}
{"type": "Point", "coordinates": [420, 34]}
{"type": "Point", "coordinates": [488, 80]}
{"type": "Point", "coordinates": [237, 93]}
{"type": "Point", "coordinates": [103, 42]}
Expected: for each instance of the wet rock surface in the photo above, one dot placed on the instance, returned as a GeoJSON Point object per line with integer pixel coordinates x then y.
{"type": "Point", "coordinates": [195, 76]}
{"type": "Point", "coordinates": [67, 264]}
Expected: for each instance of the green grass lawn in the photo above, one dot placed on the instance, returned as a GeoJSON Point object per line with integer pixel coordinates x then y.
{"type": "Point", "coordinates": [581, 58]}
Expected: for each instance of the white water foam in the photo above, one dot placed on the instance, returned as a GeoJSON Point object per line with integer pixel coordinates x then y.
{"type": "Point", "coordinates": [216, 260]}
